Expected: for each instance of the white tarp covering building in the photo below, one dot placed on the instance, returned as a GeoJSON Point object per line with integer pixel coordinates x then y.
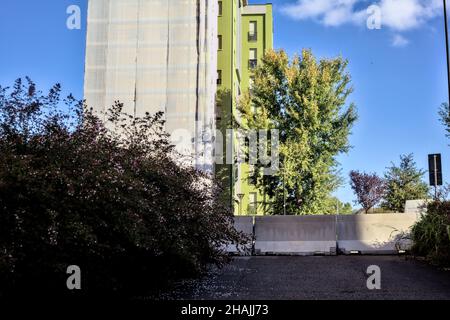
{"type": "Point", "coordinates": [157, 55]}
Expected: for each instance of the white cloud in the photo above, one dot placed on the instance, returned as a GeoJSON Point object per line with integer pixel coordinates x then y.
{"type": "Point", "coordinates": [328, 12]}
{"type": "Point", "coordinates": [398, 15]}
{"type": "Point", "coordinates": [399, 41]}
{"type": "Point", "coordinates": [401, 15]}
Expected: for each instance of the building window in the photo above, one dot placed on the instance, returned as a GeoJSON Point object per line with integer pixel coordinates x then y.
{"type": "Point", "coordinates": [253, 62]}
{"type": "Point", "coordinates": [219, 77]}
{"type": "Point", "coordinates": [219, 40]}
{"type": "Point", "coordinates": [220, 8]}
{"type": "Point", "coordinates": [253, 31]}
{"type": "Point", "coordinates": [247, 150]}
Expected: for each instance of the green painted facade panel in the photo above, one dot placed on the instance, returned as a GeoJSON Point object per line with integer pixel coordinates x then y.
{"type": "Point", "coordinates": [235, 72]}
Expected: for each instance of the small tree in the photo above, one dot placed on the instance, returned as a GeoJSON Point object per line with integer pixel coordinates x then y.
{"type": "Point", "coordinates": [369, 188]}
{"type": "Point", "coordinates": [403, 182]}
{"type": "Point", "coordinates": [347, 208]}
{"type": "Point", "coordinates": [335, 205]}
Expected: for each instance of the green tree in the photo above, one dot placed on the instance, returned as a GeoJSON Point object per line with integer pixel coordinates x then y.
{"type": "Point", "coordinates": [369, 188]}
{"type": "Point", "coordinates": [334, 205]}
{"type": "Point", "coordinates": [305, 100]}
{"type": "Point", "coordinates": [403, 182]}
{"type": "Point", "coordinates": [444, 114]}
{"type": "Point", "coordinates": [347, 208]}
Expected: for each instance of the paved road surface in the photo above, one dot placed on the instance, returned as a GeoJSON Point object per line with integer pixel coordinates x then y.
{"type": "Point", "coordinates": [339, 277]}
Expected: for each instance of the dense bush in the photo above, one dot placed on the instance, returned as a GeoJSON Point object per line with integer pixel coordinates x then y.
{"type": "Point", "coordinates": [75, 193]}
{"type": "Point", "coordinates": [431, 234]}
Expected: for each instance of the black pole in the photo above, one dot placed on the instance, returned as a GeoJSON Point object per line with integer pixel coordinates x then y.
{"type": "Point", "coordinates": [447, 47]}
{"type": "Point", "coordinates": [435, 175]}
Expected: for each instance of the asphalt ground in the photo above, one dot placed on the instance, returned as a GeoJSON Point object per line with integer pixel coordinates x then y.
{"type": "Point", "coordinates": [317, 278]}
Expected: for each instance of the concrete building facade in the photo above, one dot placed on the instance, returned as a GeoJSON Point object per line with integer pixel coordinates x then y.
{"type": "Point", "coordinates": [156, 55]}
{"type": "Point", "coordinates": [245, 32]}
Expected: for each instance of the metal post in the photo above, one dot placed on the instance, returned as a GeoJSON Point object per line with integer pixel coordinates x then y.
{"type": "Point", "coordinates": [435, 177]}
{"type": "Point", "coordinates": [284, 190]}
{"type": "Point", "coordinates": [447, 47]}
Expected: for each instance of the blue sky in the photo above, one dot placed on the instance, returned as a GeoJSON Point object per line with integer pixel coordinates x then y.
{"type": "Point", "coordinates": [398, 72]}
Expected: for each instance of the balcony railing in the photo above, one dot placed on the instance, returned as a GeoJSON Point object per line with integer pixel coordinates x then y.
{"type": "Point", "coordinates": [252, 63]}
{"type": "Point", "coordinates": [252, 36]}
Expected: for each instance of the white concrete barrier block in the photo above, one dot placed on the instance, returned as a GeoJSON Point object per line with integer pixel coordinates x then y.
{"type": "Point", "coordinates": [375, 233]}
{"type": "Point", "coordinates": [295, 235]}
{"type": "Point", "coordinates": [245, 225]}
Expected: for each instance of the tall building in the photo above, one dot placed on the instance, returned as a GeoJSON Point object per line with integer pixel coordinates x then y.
{"type": "Point", "coordinates": [181, 57]}
{"type": "Point", "coordinates": [156, 55]}
{"type": "Point", "coordinates": [245, 32]}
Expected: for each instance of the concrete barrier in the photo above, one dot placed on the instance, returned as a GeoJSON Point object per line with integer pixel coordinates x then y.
{"type": "Point", "coordinates": [416, 206]}
{"type": "Point", "coordinates": [295, 235]}
{"type": "Point", "coordinates": [245, 225]}
{"type": "Point", "coordinates": [375, 233]}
